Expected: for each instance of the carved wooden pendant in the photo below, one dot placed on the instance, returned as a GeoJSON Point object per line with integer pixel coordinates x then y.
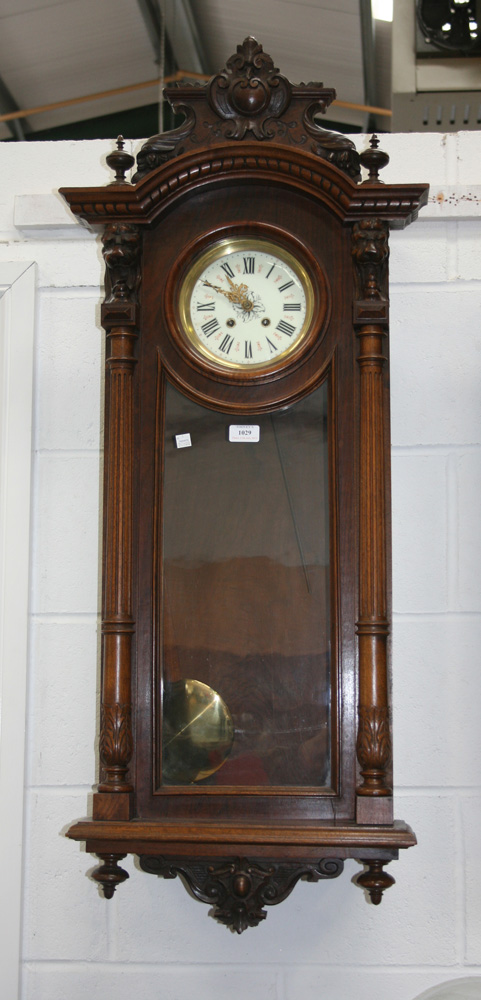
{"type": "Point", "coordinates": [240, 889]}
{"type": "Point", "coordinates": [245, 725]}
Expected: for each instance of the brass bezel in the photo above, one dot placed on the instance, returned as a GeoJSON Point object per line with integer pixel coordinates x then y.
{"type": "Point", "coordinates": [222, 248]}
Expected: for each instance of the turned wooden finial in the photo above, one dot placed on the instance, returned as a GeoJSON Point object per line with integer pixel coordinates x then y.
{"type": "Point", "coordinates": [374, 159]}
{"type": "Point", "coordinates": [120, 161]}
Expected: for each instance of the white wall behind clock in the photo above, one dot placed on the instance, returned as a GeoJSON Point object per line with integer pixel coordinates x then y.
{"type": "Point", "coordinates": [152, 940]}
{"type": "Point", "coordinates": [17, 302]}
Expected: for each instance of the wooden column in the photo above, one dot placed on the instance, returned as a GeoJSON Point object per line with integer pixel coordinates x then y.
{"type": "Point", "coordinates": [370, 251]}
{"type": "Point", "coordinates": [119, 318]}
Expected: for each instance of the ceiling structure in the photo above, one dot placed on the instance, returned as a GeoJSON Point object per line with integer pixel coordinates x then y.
{"type": "Point", "coordinates": [55, 52]}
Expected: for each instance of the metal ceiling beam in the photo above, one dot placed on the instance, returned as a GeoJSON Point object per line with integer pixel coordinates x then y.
{"type": "Point", "coordinates": [153, 22]}
{"type": "Point", "coordinates": [181, 30]}
{"type": "Point", "coordinates": [184, 37]}
{"type": "Point", "coordinates": [8, 104]}
{"type": "Point", "coordinates": [368, 59]}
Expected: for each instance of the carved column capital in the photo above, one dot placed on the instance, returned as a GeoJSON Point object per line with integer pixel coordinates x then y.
{"type": "Point", "coordinates": [370, 251]}
{"type": "Point", "coordinates": [121, 251]}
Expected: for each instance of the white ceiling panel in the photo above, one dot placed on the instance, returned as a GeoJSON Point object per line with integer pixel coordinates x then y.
{"type": "Point", "coordinates": [301, 38]}
{"type": "Point", "coordinates": [312, 40]}
{"type": "Point", "coordinates": [13, 7]}
{"type": "Point", "coordinates": [50, 52]}
{"type": "Point", "coordinates": [57, 50]}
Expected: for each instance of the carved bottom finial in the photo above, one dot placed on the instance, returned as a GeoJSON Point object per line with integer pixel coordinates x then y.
{"type": "Point", "coordinates": [375, 880]}
{"type": "Point", "coordinates": [110, 875]}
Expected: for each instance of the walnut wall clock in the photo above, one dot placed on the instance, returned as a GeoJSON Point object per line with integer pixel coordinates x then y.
{"type": "Point", "coordinates": [245, 734]}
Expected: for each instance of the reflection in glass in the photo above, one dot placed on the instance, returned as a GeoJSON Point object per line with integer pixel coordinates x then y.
{"type": "Point", "coordinates": [197, 732]}
{"type": "Point", "coordinates": [246, 588]}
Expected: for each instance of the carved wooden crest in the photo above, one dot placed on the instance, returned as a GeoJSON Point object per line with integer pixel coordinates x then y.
{"type": "Point", "coordinates": [250, 99]}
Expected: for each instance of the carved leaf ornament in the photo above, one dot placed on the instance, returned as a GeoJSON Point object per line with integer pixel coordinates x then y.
{"type": "Point", "coordinates": [249, 91]}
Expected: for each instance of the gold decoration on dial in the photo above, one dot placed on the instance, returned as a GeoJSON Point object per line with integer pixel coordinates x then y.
{"type": "Point", "coordinates": [246, 303]}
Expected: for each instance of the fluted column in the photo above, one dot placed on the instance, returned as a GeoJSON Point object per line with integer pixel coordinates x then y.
{"type": "Point", "coordinates": [370, 251]}
{"type": "Point", "coordinates": [119, 317]}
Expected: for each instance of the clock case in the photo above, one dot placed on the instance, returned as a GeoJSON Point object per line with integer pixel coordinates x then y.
{"type": "Point", "coordinates": [249, 158]}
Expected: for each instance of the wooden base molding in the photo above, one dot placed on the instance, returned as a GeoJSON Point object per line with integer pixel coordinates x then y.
{"type": "Point", "coordinates": [233, 869]}
{"type": "Point", "coordinates": [151, 836]}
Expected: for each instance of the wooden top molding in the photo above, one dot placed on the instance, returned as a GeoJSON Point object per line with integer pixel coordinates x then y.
{"type": "Point", "coordinates": [143, 202]}
{"type": "Point", "coordinates": [248, 123]}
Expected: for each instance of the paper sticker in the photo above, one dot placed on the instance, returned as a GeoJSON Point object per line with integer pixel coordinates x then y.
{"type": "Point", "coordinates": [244, 432]}
{"type": "Point", "coordinates": [182, 441]}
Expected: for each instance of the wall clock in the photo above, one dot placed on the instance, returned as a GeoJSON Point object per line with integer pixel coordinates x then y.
{"type": "Point", "coordinates": [245, 732]}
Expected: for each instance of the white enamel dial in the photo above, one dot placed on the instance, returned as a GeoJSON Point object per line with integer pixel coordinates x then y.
{"type": "Point", "coordinates": [246, 303]}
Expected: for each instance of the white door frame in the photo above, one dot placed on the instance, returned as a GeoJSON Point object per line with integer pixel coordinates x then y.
{"type": "Point", "coordinates": [17, 320]}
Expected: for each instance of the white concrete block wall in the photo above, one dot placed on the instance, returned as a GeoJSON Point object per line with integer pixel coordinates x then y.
{"type": "Point", "coordinates": [152, 940]}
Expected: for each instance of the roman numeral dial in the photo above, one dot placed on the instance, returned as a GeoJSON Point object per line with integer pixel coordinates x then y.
{"type": "Point", "coordinates": [246, 303]}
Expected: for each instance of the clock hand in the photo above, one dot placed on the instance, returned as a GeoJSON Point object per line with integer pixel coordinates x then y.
{"type": "Point", "coordinates": [215, 287]}
{"type": "Point", "coordinates": [240, 293]}
{"type": "Point", "coordinates": [237, 294]}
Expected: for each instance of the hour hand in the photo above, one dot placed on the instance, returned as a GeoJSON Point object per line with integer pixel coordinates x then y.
{"type": "Point", "coordinates": [239, 294]}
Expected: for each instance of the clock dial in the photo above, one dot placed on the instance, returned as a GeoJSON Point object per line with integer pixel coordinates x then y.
{"type": "Point", "coordinates": [246, 303]}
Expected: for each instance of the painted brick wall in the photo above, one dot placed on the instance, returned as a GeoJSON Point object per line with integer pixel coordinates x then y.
{"type": "Point", "coordinates": [152, 940]}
